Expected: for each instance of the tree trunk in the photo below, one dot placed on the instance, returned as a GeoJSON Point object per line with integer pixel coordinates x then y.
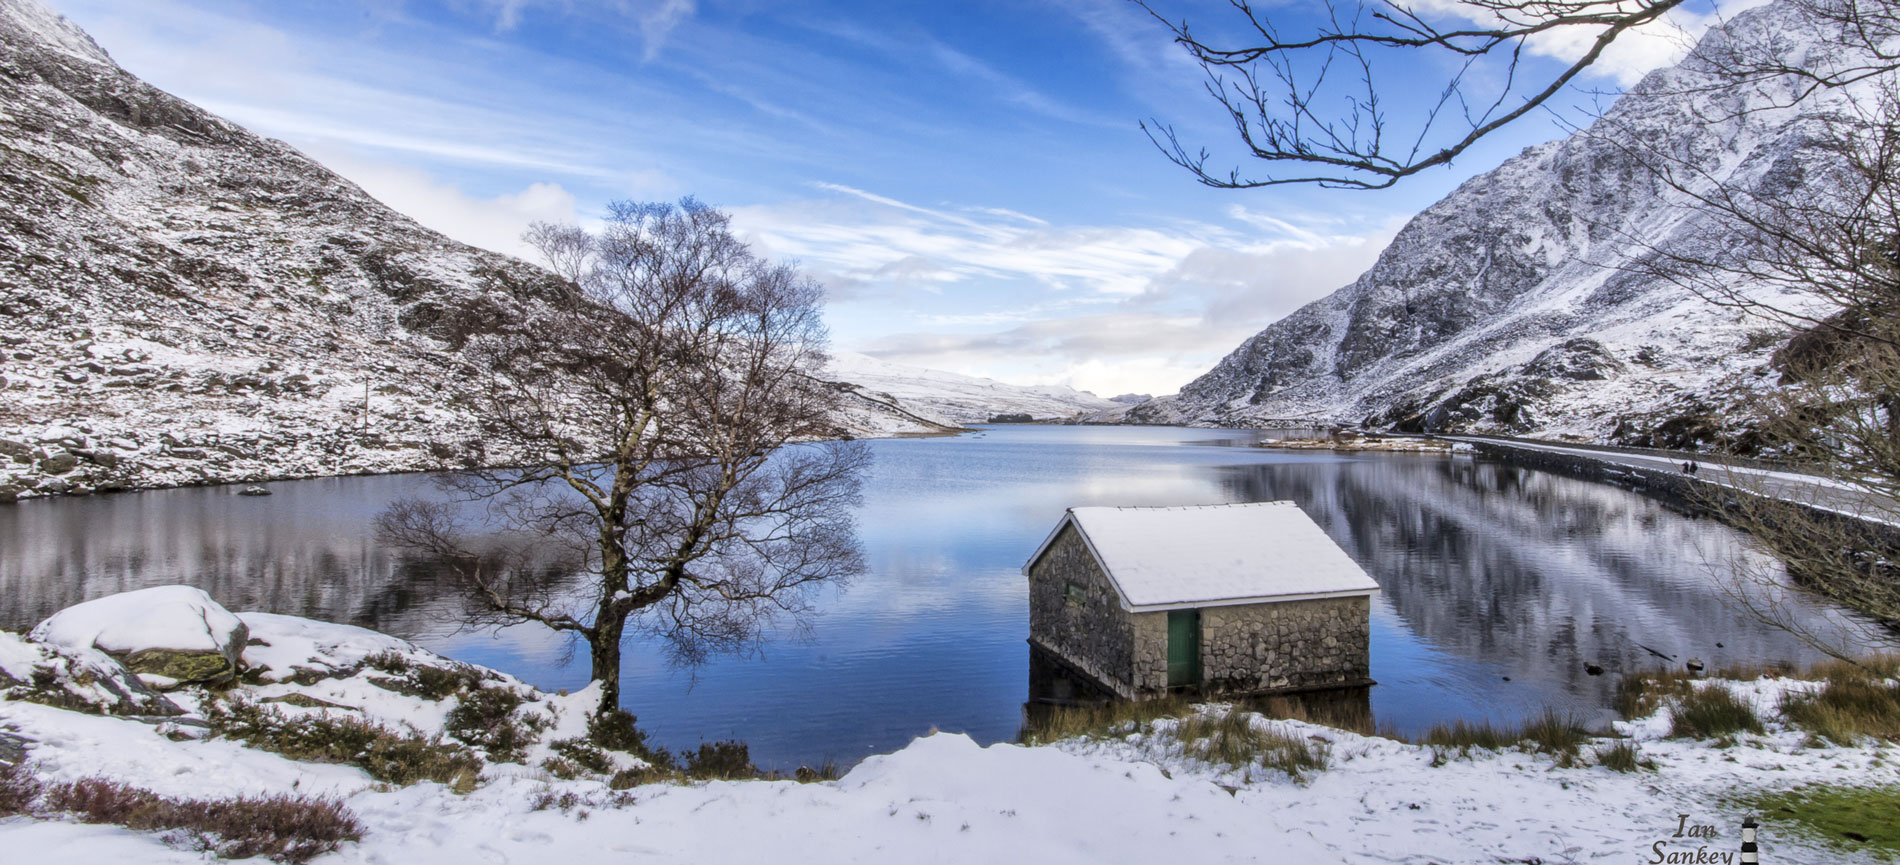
{"type": "Point", "coordinates": [603, 644]}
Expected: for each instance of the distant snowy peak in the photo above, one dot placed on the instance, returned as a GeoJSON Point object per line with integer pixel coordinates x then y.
{"type": "Point", "coordinates": [955, 398]}
{"type": "Point", "coordinates": [1510, 305]}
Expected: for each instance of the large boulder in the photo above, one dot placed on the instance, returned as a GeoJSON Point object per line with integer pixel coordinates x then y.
{"type": "Point", "coordinates": [169, 635]}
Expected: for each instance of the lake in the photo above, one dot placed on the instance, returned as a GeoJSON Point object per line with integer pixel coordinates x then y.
{"type": "Point", "coordinates": [1498, 582]}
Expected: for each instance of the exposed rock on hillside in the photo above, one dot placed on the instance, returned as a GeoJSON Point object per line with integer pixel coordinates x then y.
{"type": "Point", "coordinates": [182, 301]}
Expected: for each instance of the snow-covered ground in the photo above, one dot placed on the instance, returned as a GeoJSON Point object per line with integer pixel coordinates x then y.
{"type": "Point", "coordinates": [1127, 798]}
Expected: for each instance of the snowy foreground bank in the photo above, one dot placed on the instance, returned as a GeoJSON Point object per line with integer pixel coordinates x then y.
{"type": "Point", "coordinates": [1126, 798]}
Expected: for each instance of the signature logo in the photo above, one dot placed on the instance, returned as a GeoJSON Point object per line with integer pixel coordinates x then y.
{"type": "Point", "coordinates": [1695, 844]}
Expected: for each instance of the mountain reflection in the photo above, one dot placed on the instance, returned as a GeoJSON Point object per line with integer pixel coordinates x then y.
{"type": "Point", "coordinates": [1530, 574]}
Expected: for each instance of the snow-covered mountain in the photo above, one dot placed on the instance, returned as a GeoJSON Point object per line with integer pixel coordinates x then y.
{"type": "Point", "coordinates": [182, 301]}
{"type": "Point", "coordinates": [953, 399]}
{"type": "Point", "coordinates": [1511, 305]}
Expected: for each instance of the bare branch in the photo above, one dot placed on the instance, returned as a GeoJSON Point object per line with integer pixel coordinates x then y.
{"type": "Point", "coordinates": [1303, 138]}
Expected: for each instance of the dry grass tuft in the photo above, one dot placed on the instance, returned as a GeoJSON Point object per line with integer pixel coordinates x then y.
{"type": "Point", "coordinates": [1639, 695]}
{"type": "Point", "coordinates": [1853, 702]}
{"type": "Point", "coordinates": [18, 788]}
{"type": "Point", "coordinates": [1231, 739]}
{"type": "Point", "coordinates": [1117, 717]}
{"type": "Point", "coordinates": [1465, 735]}
{"type": "Point", "coordinates": [1623, 756]}
{"type": "Point", "coordinates": [1712, 712]}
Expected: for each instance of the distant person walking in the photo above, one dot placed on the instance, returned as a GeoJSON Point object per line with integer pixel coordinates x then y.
{"type": "Point", "coordinates": [1689, 468]}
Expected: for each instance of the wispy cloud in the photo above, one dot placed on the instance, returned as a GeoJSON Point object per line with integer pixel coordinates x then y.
{"type": "Point", "coordinates": [996, 292]}
{"type": "Point", "coordinates": [1000, 85]}
{"type": "Point", "coordinates": [492, 222]}
{"type": "Point", "coordinates": [655, 19]}
{"type": "Point", "coordinates": [658, 21]}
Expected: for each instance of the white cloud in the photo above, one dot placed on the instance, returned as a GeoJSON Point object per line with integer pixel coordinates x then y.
{"type": "Point", "coordinates": [858, 239]}
{"type": "Point", "coordinates": [1635, 53]}
{"type": "Point", "coordinates": [1011, 296]}
{"type": "Point", "coordinates": [494, 223]}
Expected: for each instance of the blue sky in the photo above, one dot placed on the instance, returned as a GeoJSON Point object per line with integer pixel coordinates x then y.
{"type": "Point", "coordinates": [966, 177]}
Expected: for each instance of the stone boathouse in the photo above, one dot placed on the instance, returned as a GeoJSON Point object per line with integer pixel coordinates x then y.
{"type": "Point", "coordinates": [1228, 599]}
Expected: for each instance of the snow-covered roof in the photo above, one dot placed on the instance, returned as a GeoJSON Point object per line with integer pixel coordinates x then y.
{"type": "Point", "coordinates": [1213, 555]}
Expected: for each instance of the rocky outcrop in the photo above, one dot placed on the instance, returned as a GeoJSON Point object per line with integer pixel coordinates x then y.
{"type": "Point", "coordinates": [84, 680]}
{"type": "Point", "coordinates": [169, 636]}
{"type": "Point", "coordinates": [1512, 305]}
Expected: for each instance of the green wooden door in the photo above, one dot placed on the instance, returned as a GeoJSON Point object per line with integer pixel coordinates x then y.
{"type": "Point", "coordinates": [1184, 647]}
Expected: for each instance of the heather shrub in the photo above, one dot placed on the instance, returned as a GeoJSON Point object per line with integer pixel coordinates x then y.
{"type": "Point", "coordinates": [485, 718]}
{"type": "Point", "coordinates": [279, 827]}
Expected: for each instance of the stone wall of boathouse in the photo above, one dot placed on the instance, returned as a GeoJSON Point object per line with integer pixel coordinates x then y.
{"type": "Point", "coordinates": [1284, 645]}
{"type": "Point", "coordinates": [1086, 629]}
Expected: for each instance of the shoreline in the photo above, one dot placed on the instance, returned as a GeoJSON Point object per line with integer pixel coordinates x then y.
{"type": "Point", "coordinates": [257, 480]}
{"type": "Point", "coordinates": [1128, 786]}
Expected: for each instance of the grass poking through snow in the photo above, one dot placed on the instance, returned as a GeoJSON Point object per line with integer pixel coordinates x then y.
{"type": "Point", "coordinates": [1859, 819]}
{"type": "Point", "coordinates": [1551, 732]}
{"type": "Point", "coordinates": [1232, 739]}
{"type": "Point", "coordinates": [1852, 703]}
{"type": "Point", "coordinates": [1117, 717]}
{"type": "Point", "coordinates": [1639, 695]}
{"type": "Point", "coordinates": [387, 755]}
{"type": "Point", "coordinates": [1623, 756]}
{"type": "Point", "coordinates": [1712, 712]}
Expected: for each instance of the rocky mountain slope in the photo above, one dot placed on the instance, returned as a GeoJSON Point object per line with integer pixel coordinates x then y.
{"type": "Point", "coordinates": [1512, 306]}
{"type": "Point", "coordinates": [183, 301]}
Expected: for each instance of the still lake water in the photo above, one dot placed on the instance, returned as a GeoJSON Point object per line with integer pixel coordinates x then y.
{"type": "Point", "coordinates": [1488, 571]}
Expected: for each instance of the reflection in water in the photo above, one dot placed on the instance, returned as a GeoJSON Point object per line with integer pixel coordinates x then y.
{"type": "Point", "coordinates": [1488, 571]}
{"type": "Point", "coordinates": [1055, 686]}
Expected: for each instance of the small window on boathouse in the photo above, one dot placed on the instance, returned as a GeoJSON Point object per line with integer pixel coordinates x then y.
{"type": "Point", "coordinates": [1076, 593]}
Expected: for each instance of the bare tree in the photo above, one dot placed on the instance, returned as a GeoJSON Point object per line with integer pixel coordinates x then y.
{"type": "Point", "coordinates": [568, 249]}
{"type": "Point", "coordinates": [653, 425]}
{"type": "Point", "coordinates": [1814, 250]}
{"type": "Point", "coordinates": [1311, 89]}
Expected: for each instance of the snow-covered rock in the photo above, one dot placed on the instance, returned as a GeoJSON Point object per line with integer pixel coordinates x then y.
{"type": "Point", "coordinates": [1511, 306]}
{"type": "Point", "coordinates": [168, 635]}
{"type": "Point", "coordinates": [291, 648]}
{"type": "Point", "coordinates": [86, 680]}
